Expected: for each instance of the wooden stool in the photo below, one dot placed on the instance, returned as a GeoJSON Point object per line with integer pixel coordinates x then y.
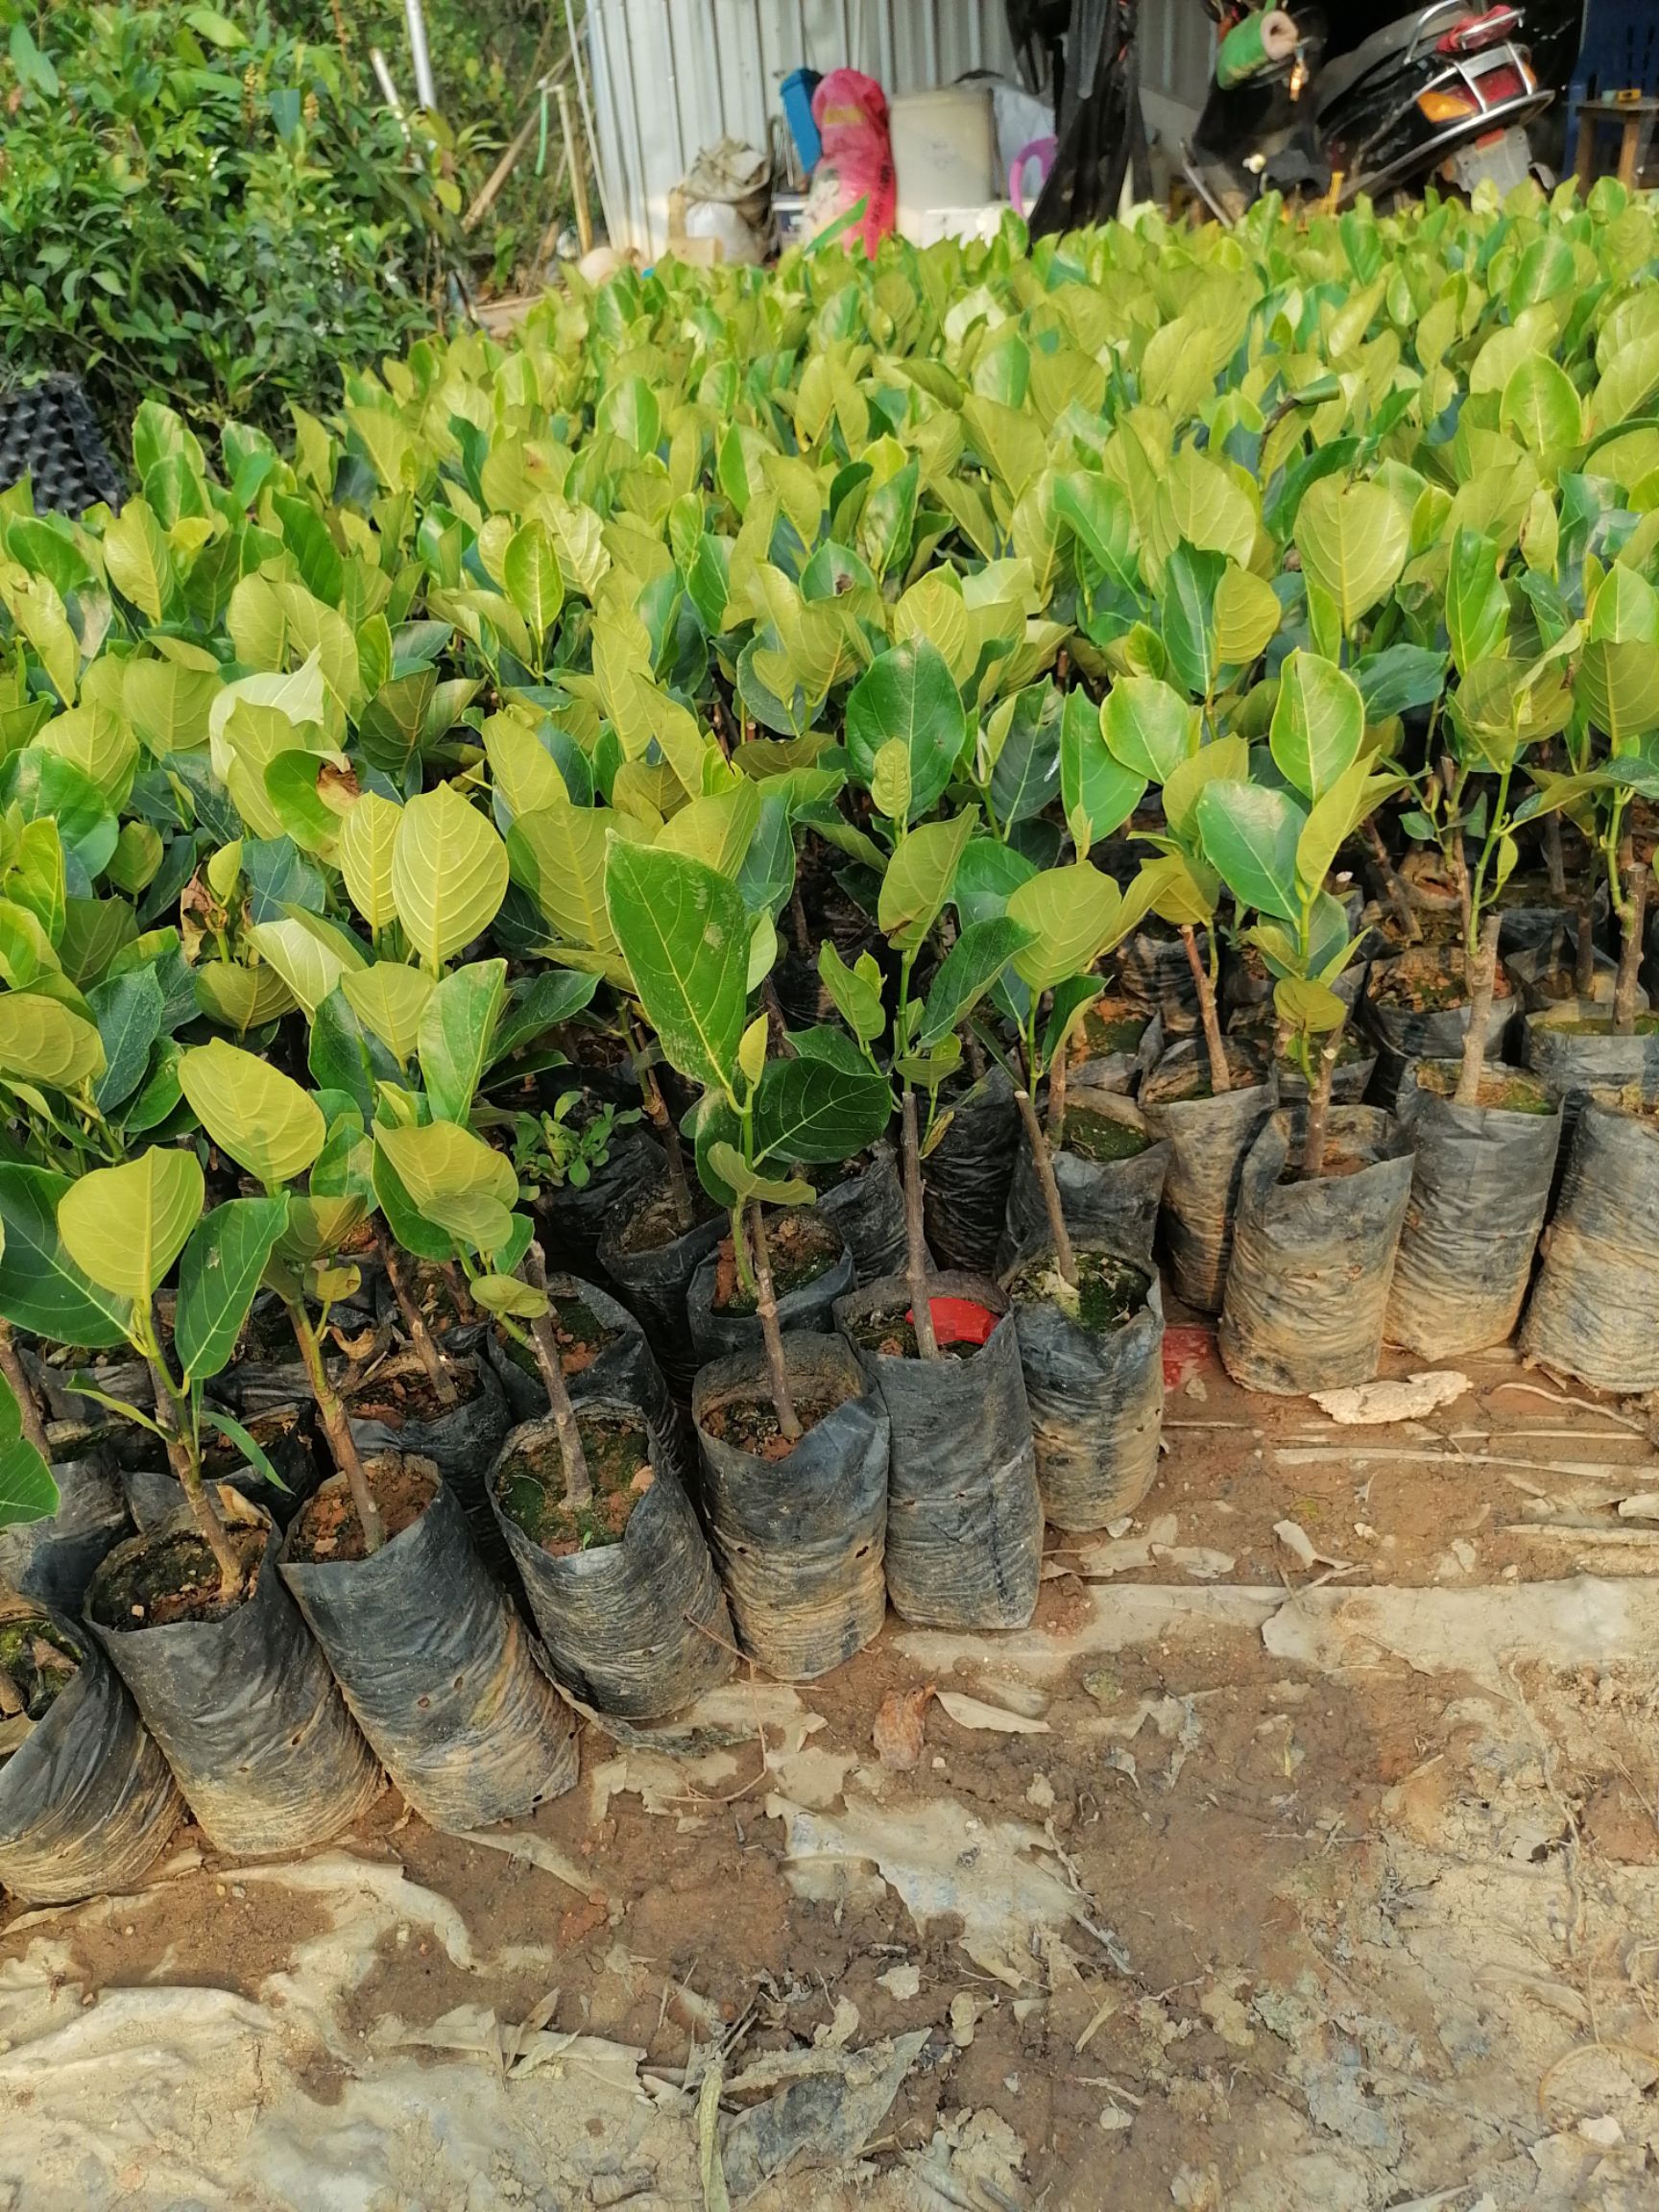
{"type": "Point", "coordinates": [1635, 118]}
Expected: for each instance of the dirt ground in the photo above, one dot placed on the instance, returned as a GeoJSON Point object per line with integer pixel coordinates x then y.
{"type": "Point", "coordinates": [1302, 1857]}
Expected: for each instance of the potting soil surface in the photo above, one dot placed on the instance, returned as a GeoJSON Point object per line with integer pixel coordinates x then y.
{"type": "Point", "coordinates": [1302, 1857]}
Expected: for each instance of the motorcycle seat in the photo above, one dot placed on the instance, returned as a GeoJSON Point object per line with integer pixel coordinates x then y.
{"type": "Point", "coordinates": [1395, 43]}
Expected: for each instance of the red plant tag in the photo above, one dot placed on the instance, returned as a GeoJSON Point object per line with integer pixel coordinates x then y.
{"type": "Point", "coordinates": [959, 1321]}
{"type": "Point", "coordinates": [1188, 1346]}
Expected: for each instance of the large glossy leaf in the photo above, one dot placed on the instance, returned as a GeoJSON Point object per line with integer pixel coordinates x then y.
{"type": "Point", "coordinates": [1070, 915]}
{"type": "Point", "coordinates": [919, 881]}
{"type": "Point", "coordinates": [219, 1272]}
{"type": "Point", "coordinates": [537, 1004]}
{"type": "Point", "coordinates": [128, 1011]}
{"type": "Point", "coordinates": [448, 873]}
{"type": "Point", "coordinates": [253, 1112]}
{"type": "Point", "coordinates": [1150, 728]}
{"type": "Point", "coordinates": [389, 1000]}
{"type": "Point", "coordinates": [1354, 540]}
{"type": "Point", "coordinates": [967, 970]}
{"type": "Point", "coordinates": [684, 931]}
{"type": "Point", "coordinates": [1617, 685]}
{"type": "Point", "coordinates": [457, 1032]}
{"type": "Point", "coordinates": [1318, 724]}
{"type": "Point", "coordinates": [1097, 793]}
{"type": "Point", "coordinates": [455, 1179]}
{"type": "Point", "coordinates": [27, 1490]}
{"type": "Point", "coordinates": [125, 1226]}
{"type": "Point", "coordinates": [1192, 586]}
{"type": "Point", "coordinates": [1027, 772]}
{"type": "Point", "coordinates": [558, 856]}
{"type": "Point", "coordinates": [908, 694]}
{"type": "Point", "coordinates": [1250, 836]}
{"type": "Point", "coordinates": [1477, 604]}
{"type": "Point", "coordinates": [811, 1109]}
{"type": "Point", "coordinates": [44, 1042]}
{"type": "Point", "coordinates": [1542, 406]}
{"type": "Point", "coordinates": [534, 583]}
{"type": "Point", "coordinates": [41, 1289]}
{"type": "Point", "coordinates": [368, 838]}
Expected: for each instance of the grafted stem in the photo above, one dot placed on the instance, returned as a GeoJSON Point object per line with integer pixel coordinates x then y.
{"type": "Point", "coordinates": [766, 1306]}
{"type": "Point", "coordinates": [337, 1429]}
{"type": "Point", "coordinates": [186, 1461]}
{"type": "Point", "coordinates": [1319, 1108]}
{"type": "Point", "coordinates": [1394, 886]}
{"type": "Point", "coordinates": [1219, 1079]}
{"type": "Point", "coordinates": [1484, 987]}
{"type": "Point", "coordinates": [578, 1482]}
{"type": "Point", "coordinates": [1043, 1160]}
{"type": "Point", "coordinates": [415, 1322]}
{"type": "Point", "coordinates": [1636, 875]}
{"type": "Point", "coordinates": [916, 1269]}
{"type": "Point", "coordinates": [23, 1390]}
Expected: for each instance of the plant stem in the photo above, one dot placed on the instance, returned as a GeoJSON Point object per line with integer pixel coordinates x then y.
{"type": "Point", "coordinates": [1057, 1095]}
{"type": "Point", "coordinates": [1554, 859]}
{"type": "Point", "coordinates": [414, 1321]}
{"type": "Point", "coordinates": [1219, 1079]}
{"type": "Point", "coordinates": [337, 1429]}
{"type": "Point", "coordinates": [23, 1390]}
{"type": "Point", "coordinates": [1043, 1160]}
{"type": "Point", "coordinates": [1483, 985]}
{"type": "Point", "coordinates": [971, 1046]}
{"type": "Point", "coordinates": [578, 1482]}
{"type": "Point", "coordinates": [1584, 976]}
{"type": "Point", "coordinates": [916, 1268]}
{"type": "Point", "coordinates": [1319, 1109]}
{"type": "Point", "coordinates": [1630, 948]}
{"type": "Point", "coordinates": [186, 1461]}
{"type": "Point", "coordinates": [797, 925]}
{"type": "Point", "coordinates": [766, 1305]}
{"type": "Point", "coordinates": [1460, 860]}
{"type": "Point", "coordinates": [662, 1122]}
{"type": "Point", "coordinates": [1394, 886]}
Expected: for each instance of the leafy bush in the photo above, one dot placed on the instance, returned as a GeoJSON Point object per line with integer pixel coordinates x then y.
{"type": "Point", "coordinates": [202, 210]}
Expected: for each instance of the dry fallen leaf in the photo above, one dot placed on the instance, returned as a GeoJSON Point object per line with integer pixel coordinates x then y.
{"type": "Point", "coordinates": [972, 1713]}
{"type": "Point", "coordinates": [899, 1734]}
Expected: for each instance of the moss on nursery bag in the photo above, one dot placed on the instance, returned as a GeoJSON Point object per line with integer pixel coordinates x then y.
{"type": "Point", "coordinates": [613, 1359]}
{"type": "Point", "coordinates": [1110, 1190]}
{"type": "Point", "coordinates": [433, 1660]}
{"type": "Point", "coordinates": [1480, 1182]}
{"type": "Point", "coordinates": [1594, 1308]}
{"type": "Point", "coordinates": [87, 1802]}
{"type": "Point", "coordinates": [244, 1707]}
{"type": "Point", "coordinates": [1416, 1006]}
{"type": "Point", "coordinates": [804, 1306]}
{"type": "Point", "coordinates": [798, 1531]}
{"type": "Point", "coordinates": [1308, 1281]}
{"type": "Point", "coordinates": [636, 1626]}
{"type": "Point", "coordinates": [964, 1520]}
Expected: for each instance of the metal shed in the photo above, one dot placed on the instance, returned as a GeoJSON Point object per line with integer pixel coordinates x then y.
{"type": "Point", "coordinates": [671, 76]}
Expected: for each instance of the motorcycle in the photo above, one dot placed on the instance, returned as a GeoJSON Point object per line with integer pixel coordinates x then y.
{"type": "Point", "coordinates": [1448, 91]}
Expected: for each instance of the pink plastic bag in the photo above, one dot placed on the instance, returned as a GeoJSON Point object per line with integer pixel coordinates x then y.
{"type": "Point", "coordinates": [851, 112]}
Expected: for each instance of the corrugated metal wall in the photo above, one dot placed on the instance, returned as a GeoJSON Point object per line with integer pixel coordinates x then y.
{"type": "Point", "coordinates": [670, 76]}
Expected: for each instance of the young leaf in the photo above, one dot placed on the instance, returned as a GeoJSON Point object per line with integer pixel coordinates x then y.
{"type": "Point", "coordinates": [219, 1272]}
{"type": "Point", "coordinates": [41, 1289]}
{"type": "Point", "coordinates": [1097, 791]}
{"type": "Point", "coordinates": [810, 1109]}
{"type": "Point", "coordinates": [1318, 724]}
{"type": "Point", "coordinates": [919, 879]}
{"type": "Point", "coordinates": [856, 992]}
{"type": "Point", "coordinates": [389, 1001]}
{"type": "Point", "coordinates": [1353, 539]}
{"type": "Point", "coordinates": [125, 1226]}
{"type": "Point", "coordinates": [908, 695]}
{"type": "Point", "coordinates": [1150, 728]}
{"type": "Point", "coordinates": [43, 1042]}
{"type": "Point", "coordinates": [449, 872]}
{"type": "Point", "coordinates": [457, 1028]}
{"type": "Point", "coordinates": [1477, 604]}
{"type": "Point", "coordinates": [27, 1490]}
{"type": "Point", "coordinates": [368, 839]}
{"type": "Point", "coordinates": [251, 1449]}
{"type": "Point", "coordinates": [1249, 836]}
{"type": "Point", "coordinates": [684, 933]}
{"type": "Point", "coordinates": [1070, 916]}
{"type": "Point", "coordinates": [253, 1112]}
{"type": "Point", "coordinates": [967, 970]}
{"type": "Point", "coordinates": [455, 1180]}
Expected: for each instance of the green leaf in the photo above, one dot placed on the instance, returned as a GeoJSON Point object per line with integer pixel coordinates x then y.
{"type": "Point", "coordinates": [857, 991]}
{"type": "Point", "coordinates": [919, 880]}
{"type": "Point", "coordinates": [531, 574]}
{"type": "Point", "coordinates": [27, 1490]}
{"type": "Point", "coordinates": [455, 1180]}
{"type": "Point", "coordinates": [449, 872]}
{"type": "Point", "coordinates": [253, 1112]}
{"type": "Point", "coordinates": [908, 695]}
{"type": "Point", "coordinates": [41, 1289]}
{"type": "Point", "coordinates": [1250, 837]}
{"type": "Point", "coordinates": [1025, 731]}
{"type": "Point", "coordinates": [1334, 817]}
{"type": "Point", "coordinates": [1477, 604]}
{"type": "Point", "coordinates": [125, 1226]}
{"type": "Point", "coordinates": [1541, 407]}
{"type": "Point", "coordinates": [1247, 616]}
{"type": "Point", "coordinates": [808, 1109]}
{"type": "Point", "coordinates": [457, 1029]}
{"type": "Point", "coordinates": [1097, 793]}
{"type": "Point", "coordinates": [128, 1011]}
{"type": "Point", "coordinates": [219, 1272]}
{"type": "Point", "coordinates": [1192, 586]}
{"type": "Point", "coordinates": [1304, 1005]}
{"type": "Point", "coordinates": [1150, 728]}
{"type": "Point", "coordinates": [1354, 540]}
{"type": "Point", "coordinates": [967, 972]}
{"type": "Point", "coordinates": [1318, 724]}
{"type": "Point", "coordinates": [534, 1005]}
{"type": "Point", "coordinates": [368, 841]}
{"type": "Point", "coordinates": [251, 1449]}
{"type": "Point", "coordinates": [43, 1042]}
{"type": "Point", "coordinates": [738, 1183]}
{"type": "Point", "coordinates": [309, 960]}
{"type": "Point", "coordinates": [139, 559]}
{"type": "Point", "coordinates": [1070, 916]}
{"type": "Point", "coordinates": [684, 931]}
{"type": "Point", "coordinates": [509, 1294]}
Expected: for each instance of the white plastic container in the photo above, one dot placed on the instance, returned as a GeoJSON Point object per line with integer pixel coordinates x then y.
{"type": "Point", "coordinates": [944, 154]}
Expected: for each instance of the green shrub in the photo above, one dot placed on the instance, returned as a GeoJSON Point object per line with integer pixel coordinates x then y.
{"type": "Point", "coordinates": [211, 211]}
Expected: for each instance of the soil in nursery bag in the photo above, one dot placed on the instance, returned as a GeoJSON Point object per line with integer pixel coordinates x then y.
{"type": "Point", "coordinates": [810, 1269]}
{"type": "Point", "coordinates": [623, 1590]}
{"type": "Point", "coordinates": [1416, 1007]}
{"type": "Point", "coordinates": [1154, 974]}
{"type": "Point", "coordinates": [1110, 1171]}
{"type": "Point", "coordinates": [965, 1177]}
{"type": "Point", "coordinates": [1573, 1050]}
{"type": "Point", "coordinates": [398, 1408]}
{"type": "Point", "coordinates": [573, 1218]}
{"type": "Point", "coordinates": [797, 1528]}
{"type": "Point", "coordinates": [53, 1560]}
{"type": "Point", "coordinates": [1114, 1046]}
{"type": "Point", "coordinates": [1594, 1308]}
{"type": "Point", "coordinates": [239, 1697]}
{"type": "Point", "coordinates": [1355, 1057]}
{"type": "Point", "coordinates": [1092, 1359]}
{"type": "Point", "coordinates": [964, 1520]}
{"type": "Point", "coordinates": [87, 1802]}
{"type": "Point", "coordinates": [603, 1353]}
{"type": "Point", "coordinates": [1307, 1282]}
{"type": "Point", "coordinates": [867, 1207]}
{"type": "Point", "coordinates": [1209, 1138]}
{"type": "Point", "coordinates": [643, 1251]}
{"type": "Point", "coordinates": [1543, 978]}
{"type": "Point", "coordinates": [1481, 1184]}
{"type": "Point", "coordinates": [433, 1659]}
